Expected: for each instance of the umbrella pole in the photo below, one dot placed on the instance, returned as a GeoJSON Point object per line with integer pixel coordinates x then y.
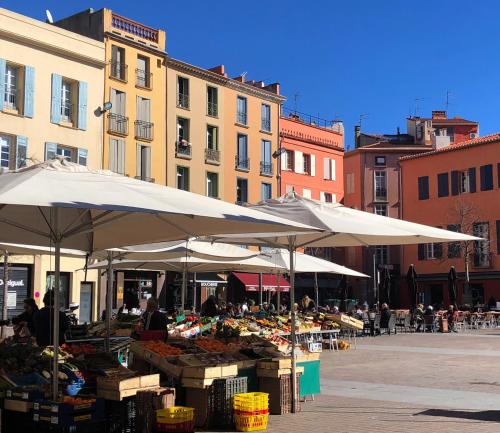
{"type": "Point", "coordinates": [183, 287]}
{"type": "Point", "coordinates": [291, 250]}
{"type": "Point", "coordinates": [316, 290]}
{"type": "Point", "coordinates": [194, 292]}
{"type": "Point", "coordinates": [56, 306]}
{"type": "Point", "coordinates": [260, 289]}
{"type": "Point", "coordinates": [278, 294]}
{"type": "Point", "coordinates": [5, 290]}
{"type": "Point", "coordinates": [109, 298]}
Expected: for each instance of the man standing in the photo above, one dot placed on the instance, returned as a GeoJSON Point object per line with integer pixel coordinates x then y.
{"type": "Point", "coordinates": [44, 322]}
{"type": "Point", "coordinates": [153, 319]}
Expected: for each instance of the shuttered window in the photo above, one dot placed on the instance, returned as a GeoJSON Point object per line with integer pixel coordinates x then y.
{"type": "Point", "coordinates": [443, 185]}
{"type": "Point", "coordinates": [498, 236]}
{"type": "Point", "coordinates": [117, 155]}
{"type": "Point", "coordinates": [326, 168]}
{"type": "Point", "coordinates": [486, 177]}
{"type": "Point", "coordinates": [455, 181]}
{"type": "Point", "coordinates": [21, 151]}
{"type": "Point", "coordinates": [423, 188]}
{"type": "Point", "coordinates": [472, 179]}
{"type": "Point", "coordinates": [498, 174]}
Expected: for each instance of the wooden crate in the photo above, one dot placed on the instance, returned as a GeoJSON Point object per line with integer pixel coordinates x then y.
{"type": "Point", "coordinates": [229, 370]}
{"type": "Point", "coordinates": [202, 372]}
{"type": "Point", "coordinates": [188, 382]}
{"type": "Point", "coordinates": [17, 405]}
{"type": "Point", "coordinates": [117, 395]}
{"type": "Point", "coordinates": [275, 364]}
{"type": "Point", "coordinates": [276, 373]}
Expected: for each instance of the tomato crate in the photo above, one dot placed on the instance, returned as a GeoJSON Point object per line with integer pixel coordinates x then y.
{"type": "Point", "coordinates": [224, 391]}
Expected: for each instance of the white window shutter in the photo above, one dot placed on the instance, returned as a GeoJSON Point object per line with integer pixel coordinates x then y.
{"type": "Point", "coordinates": [333, 173]}
{"type": "Point", "coordinates": [326, 168]}
{"type": "Point", "coordinates": [113, 145]}
{"type": "Point", "coordinates": [120, 157]}
{"type": "Point", "coordinates": [313, 165]}
{"type": "Point", "coordinates": [284, 160]}
{"type": "Point", "coordinates": [148, 161]}
{"type": "Point", "coordinates": [322, 196]}
{"type": "Point", "coordinates": [139, 161]}
{"type": "Point", "coordinates": [306, 193]}
{"type": "Point", "coordinates": [298, 162]}
{"type": "Point", "coordinates": [334, 198]}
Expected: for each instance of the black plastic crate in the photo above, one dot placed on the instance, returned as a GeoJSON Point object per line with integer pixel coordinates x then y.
{"type": "Point", "coordinates": [223, 393]}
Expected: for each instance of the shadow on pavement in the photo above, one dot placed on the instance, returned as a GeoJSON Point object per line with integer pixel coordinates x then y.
{"type": "Point", "coordinates": [484, 415]}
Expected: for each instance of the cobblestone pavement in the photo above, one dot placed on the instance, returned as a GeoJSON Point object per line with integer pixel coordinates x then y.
{"type": "Point", "coordinates": [406, 383]}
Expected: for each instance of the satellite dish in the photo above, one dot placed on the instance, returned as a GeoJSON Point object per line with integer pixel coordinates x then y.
{"type": "Point", "coordinates": [50, 20]}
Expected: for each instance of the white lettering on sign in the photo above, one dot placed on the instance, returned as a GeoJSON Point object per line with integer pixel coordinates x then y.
{"type": "Point", "coordinates": [13, 283]}
{"type": "Point", "coordinates": [208, 284]}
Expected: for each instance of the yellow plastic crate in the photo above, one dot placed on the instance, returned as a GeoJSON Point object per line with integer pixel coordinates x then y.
{"type": "Point", "coordinates": [174, 415]}
{"type": "Point", "coordinates": [251, 422]}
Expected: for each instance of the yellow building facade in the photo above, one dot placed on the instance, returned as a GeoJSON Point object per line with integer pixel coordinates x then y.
{"type": "Point", "coordinates": [135, 85]}
{"type": "Point", "coordinates": [50, 85]}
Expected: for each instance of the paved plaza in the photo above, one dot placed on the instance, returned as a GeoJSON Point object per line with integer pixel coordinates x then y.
{"type": "Point", "coordinates": [406, 383]}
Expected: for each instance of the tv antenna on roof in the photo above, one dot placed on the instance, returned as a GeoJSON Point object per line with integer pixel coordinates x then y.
{"type": "Point", "coordinates": [50, 20]}
{"type": "Point", "coordinates": [448, 103]}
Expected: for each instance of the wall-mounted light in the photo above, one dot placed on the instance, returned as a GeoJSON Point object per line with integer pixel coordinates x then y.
{"type": "Point", "coordinates": [105, 107]}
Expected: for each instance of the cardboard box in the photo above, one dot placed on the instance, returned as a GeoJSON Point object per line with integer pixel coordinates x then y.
{"type": "Point", "coordinates": [117, 395]}
{"type": "Point", "coordinates": [17, 405]}
{"type": "Point", "coordinates": [202, 372]}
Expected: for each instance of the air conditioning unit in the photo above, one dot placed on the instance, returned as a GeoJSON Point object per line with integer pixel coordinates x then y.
{"type": "Point", "coordinates": [473, 135]}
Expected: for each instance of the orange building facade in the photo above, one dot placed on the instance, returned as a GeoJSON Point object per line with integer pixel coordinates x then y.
{"type": "Point", "coordinates": [457, 188]}
{"type": "Point", "coordinates": [311, 159]}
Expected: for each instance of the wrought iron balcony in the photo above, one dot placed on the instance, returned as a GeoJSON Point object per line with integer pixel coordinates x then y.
{"type": "Point", "coordinates": [380, 194]}
{"type": "Point", "coordinates": [212, 109]}
{"type": "Point", "coordinates": [212, 155]}
{"type": "Point", "coordinates": [265, 125]}
{"type": "Point", "coordinates": [182, 100]}
{"type": "Point", "coordinates": [183, 149]}
{"type": "Point", "coordinates": [117, 124]}
{"type": "Point", "coordinates": [143, 79]}
{"type": "Point", "coordinates": [241, 117]}
{"type": "Point", "coordinates": [242, 163]}
{"type": "Point", "coordinates": [118, 70]}
{"type": "Point", "coordinates": [266, 169]}
{"type": "Point", "coordinates": [143, 130]}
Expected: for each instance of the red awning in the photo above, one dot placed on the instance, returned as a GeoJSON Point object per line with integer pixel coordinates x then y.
{"type": "Point", "coordinates": [269, 282]}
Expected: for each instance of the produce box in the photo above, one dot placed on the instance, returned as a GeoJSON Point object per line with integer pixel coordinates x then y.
{"type": "Point", "coordinates": [24, 394]}
{"type": "Point", "coordinates": [67, 419]}
{"type": "Point", "coordinates": [117, 395]}
{"type": "Point", "coordinates": [202, 372]}
{"type": "Point", "coordinates": [265, 372]}
{"type": "Point", "coordinates": [83, 406]}
{"type": "Point", "coordinates": [118, 383]}
{"type": "Point", "coordinates": [346, 321]}
{"type": "Point", "coordinates": [275, 364]}
{"type": "Point", "coordinates": [189, 382]}
{"type": "Point", "coordinates": [17, 405]}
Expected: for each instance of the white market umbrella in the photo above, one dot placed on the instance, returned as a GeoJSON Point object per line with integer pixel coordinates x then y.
{"type": "Point", "coordinates": [341, 227]}
{"type": "Point", "coordinates": [65, 205]}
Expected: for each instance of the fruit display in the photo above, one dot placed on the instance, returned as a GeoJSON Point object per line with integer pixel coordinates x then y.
{"type": "Point", "coordinates": [78, 349]}
{"type": "Point", "coordinates": [161, 348]}
{"type": "Point", "coordinates": [211, 344]}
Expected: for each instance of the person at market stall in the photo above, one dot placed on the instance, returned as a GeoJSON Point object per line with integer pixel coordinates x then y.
{"type": "Point", "coordinates": [269, 307]}
{"type": "Point", "coordinates": [307, 304]}
{"type": "Point", "coordinates": [209, 307]}
{"type": "Point", "coordinates": [26, 320]}
{"type": "Point", "coordinates": [385, 315]}
{"type": "Point", "coordinates": [335, 310]}
{"type": "Point", "coordinates": [452, 316]}
{"type": "Point", "coordinates": [153, 319]}
{"type": "Point", "coordinates": [419, 317]}
{"type": "Point", "coordinates": [43, 322]}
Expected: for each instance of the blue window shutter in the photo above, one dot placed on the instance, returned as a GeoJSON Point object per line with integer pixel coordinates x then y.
{"type": "Point", "coordinates": [82, 156]}
{"type": "Point", "coordinates": [82, 105]}
{"type": "Point", "coordinates": [3, 64]}
{"type": "Point", "coordinates": [55, 111]}
{"type": "Point", "coordinates": [29, 90]}
{"type": "Point", "coordinates": [21, 151]}
{"type": "Point", "coordinates": [50, 151]}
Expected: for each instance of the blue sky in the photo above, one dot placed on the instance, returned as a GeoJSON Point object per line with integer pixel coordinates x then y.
{"type": "Point", "coordinates": [342, 58]}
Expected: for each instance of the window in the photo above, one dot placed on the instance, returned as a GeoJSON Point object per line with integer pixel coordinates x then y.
{"type": "Point", "coordinates": [183, 178]}
{"type": "Point", "coordinates": [380, 161]}
{"type": "Point", "coordinates": [430, 251]}
{"type": "Point", "coordinates": [17, 88]}
{"type": "Point", "coordinates": [329, 169]}
{"type": "Point", "coordinates": [242, 161]}
{"type": "Point", "coordinates": [486, 177]}
{"type": "Point", "coordinates": [142, 73]}
{"type": "Point", "coordinates": [481, 248]}
{"type": "Point", "coordinates": [66, 96]}
{"type": "Point", "coordinates": [265, 117]}
{"type": "Point", "coordinates": [463, 181]}
{"type": "Point", "coordinates": [328, 197]}
{"type": "Point", "coordinates": [241, 190]}
{"type": "Point", "coordinates": [118, 66]}
{"type": "Point", "coordinates": [498, 236]}
{"type": "Point", "coordinates": [266, 164]}
{"type": "Point", "coordinates": [182, 92]}
{"type": "Point", "coordinates": [11, 97]}
{"type": "Point", "coordinates": [423, 188]}
{"type": "Point", "coordinates": [183, 146]}
{"type": "Point", "coordinates": [73, 154]}
{"type": "Point", "coordinates": [212, 105]}
{"type": "Point", "coordinates": [380, 209]}
{"type": "Point", "coordinates": [143, 125]}
{"type": "Point", "coordinates": [287, 160]}
{"type": "Point", "coordinates": [241, 110]}
{"type": "Point", "coordinates": [117, 121]}
{"type": "Point", "coordinates": [307, 164]}
{"type": "Point", "coordinates": [381, 255]}
{"type": "Point", "coordinates": [117, 155]}
{"type": "Point", "coordinates": [144, 163]}
{"type": "Point", "coordinates": [350, 187]}
{"type": "Point", "coordinates": [266, 191]}
{"type": "Point", "coordinates": [450, 133]}
{"type": "Point", "coordinates": [454, 247]}
{"type": "Point", "coordinates": [5, 152]}
{"type": "Point", "coordinates": [212, 185]}
{"type": "Point", "coordinates": [212, 137]}
{"type": "Point", "coordinates": [306, 193]}
{"type": "Point", "coordinates": [380, 185]}
{"type": "Point", "coordinates": [443, 185]}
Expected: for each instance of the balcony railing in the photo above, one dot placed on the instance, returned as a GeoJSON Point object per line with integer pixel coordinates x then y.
{"type": "Point", "coordinates": [265, 125]}
{"type": "Point", "coordinates": [380, 194]}
{"type": "Point", "coordinates": [242, 163]}
{"type": "Point", "coordinates": [212, 155]}
{"type": "Point", "coordinates": [11, 99]}
{"type": "Point", "coordinates": [266, 169]}
{"type": "Point", "coordinates": [68, 112]}
{"type": "Point", "coordinates": [143, 78]}
{"type": "Point", "coordinates": [183, 149]}
{"type": "Point", "coordinates": [182, 100]}
{"type": "Point", "coordinates": [143, 130]}
{"type": "Point", "coordinates": [124, 24]}
{"type": "Point", "coordinates": [117, 124]}
{"type": "Point", "coordinates": [118, 70]}
{"type": "Point", "coordinates": [212, 109]}
{"type": "Point", "coordinates": [241, 117]}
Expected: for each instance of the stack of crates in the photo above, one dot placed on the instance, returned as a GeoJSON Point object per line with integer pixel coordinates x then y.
{"type": "Point", "coordinates": [251, 411]}
{"type": "Point", "coordinates": [224, 391]}
{"type": "Point", "coordinates": [175, 419]}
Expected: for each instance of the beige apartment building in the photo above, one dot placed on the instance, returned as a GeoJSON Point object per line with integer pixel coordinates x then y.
{"type": "Point", "coordinates": [221, 133]}
{"type": "Point", "coordinates": [51, 86]}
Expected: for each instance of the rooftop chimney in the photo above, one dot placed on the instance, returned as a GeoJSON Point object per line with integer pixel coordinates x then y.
{"type": "Point", "coordinates": [219, 70]}
{"type": "Point", "coordinates": [357, 133]}
{"type": "Point", "coordinates": [439, 114]}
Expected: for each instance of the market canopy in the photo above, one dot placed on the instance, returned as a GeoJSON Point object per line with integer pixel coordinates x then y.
{"type": "Point", "coordinates": [33, 250]}
{"type": "Point", "coordinates": [269, 282]}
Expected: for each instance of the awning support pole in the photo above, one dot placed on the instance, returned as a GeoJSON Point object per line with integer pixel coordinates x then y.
{"type": "Point", "coordinates": [291, 250]}
{"type": "Point", "coordinates": [56, 306]}
{"type": "Point", "coordinates": [109, 300]}
{"type": "Point", "coordinates": [5, 290]}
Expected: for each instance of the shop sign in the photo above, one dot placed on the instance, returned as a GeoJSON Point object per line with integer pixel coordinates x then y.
{"type": "Point", "coordinates": [11, 300]}
{"type": "Point", "coordinates": [208, 284]}
{"type": "Point", "coordinates": [13, 283]}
